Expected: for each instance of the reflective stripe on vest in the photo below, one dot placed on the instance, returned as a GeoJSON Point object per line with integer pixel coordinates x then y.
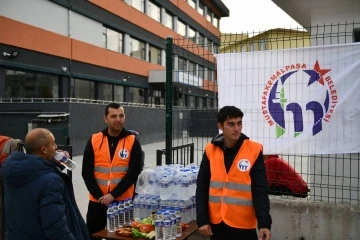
{"type": "Point", "coordinates": [109, 173]}
{"type": "Point", "coordinates": [230, 196]}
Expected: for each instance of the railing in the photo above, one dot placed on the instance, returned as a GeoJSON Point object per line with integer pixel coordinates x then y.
{"type": "Point", "coordinates": [183, 154]}
{"type": "Point", "coordinates": [75, 100]}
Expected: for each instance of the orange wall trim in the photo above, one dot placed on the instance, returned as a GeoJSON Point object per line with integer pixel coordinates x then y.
{"type": "Point", "coordinates": [208, 85]}
{"type": "Point", "coordinates": [131, 14]}
{"type": "Point", "coordinates": [91, 54]}
{"type": "Point", "coordinates": [185, 7]}
{"type": "Point", "coordinates": [26, 36]}
{"type": "Point", "coordinates": [40, 40]}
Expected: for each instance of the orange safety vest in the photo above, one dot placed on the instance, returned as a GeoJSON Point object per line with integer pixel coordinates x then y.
{"type": "Point", "coordinates": [109, 173]}
{"type": "Point", "coordinates": [230, 196]}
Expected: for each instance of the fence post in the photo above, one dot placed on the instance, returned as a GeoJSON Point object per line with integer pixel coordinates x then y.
{"type": "Point", "coordinates": [169, 100]}
{"type": "Point", "coordinates": [192, 149]}
{"type": "Point", "coordinates": [159, 154]}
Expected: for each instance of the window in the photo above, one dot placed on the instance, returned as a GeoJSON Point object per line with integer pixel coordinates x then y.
{"type": "Point", "coordinates": [138, 4]}
{"type": "Point", "coordinates": [155, 55]}
{"type": "Point", "coordinates": [181, 28]}
{"type": "Point", "coordinates": [192, 68]}
{"type": "Point", "coordinates": [208, 16]}
{"type": "Point", "coordinates": [215, 48]}
{"type": "Point", "coordinates": [105, 91]}
{"type": "Point", "coordinates": [210, 46]}
{"type": "Point", "coordinates": [215, 22]}
{"type": "Point", "coordinates": [262, 45]}
{"type": "Point", "coordinates": [136, 95]}
{"type": "Point", "coordinates": [192, 35]}
{"type": "Point", "coordinates": [114, 41]}
{"type": "Point", "coordinates": [192, 3]}
{"type": "Point", "coordinates": [201, 40]}
{"type": "Point", "coordinates": [169, 22]}
{"type": "Point", "coordinates": [200, 102]}
{"type": "Point", "coordinates": [182, 64]}
{"type": "Point", "coordinates": [210, 75]}
{"type": "Point", "coordinates": [190, 101]}
{"type": "Point", "coordinates": [252, 47]}
{"type": "Point", "coordinates": [201, 71]}
{"type": "Point", "coordinates": [137, 49]}
{"type": "Point", "coordinates": [30, 85]}
{"type": "Point", "coordinates": [201, 8]}
{"type": "Point", "coordinates": [104, 39]}
{"type": "Point", "coordinates": [83, 89]}
{"type": "Point", "coordinates": [119, 93]}
{"type": "Point", "coordinates": [154, 11]}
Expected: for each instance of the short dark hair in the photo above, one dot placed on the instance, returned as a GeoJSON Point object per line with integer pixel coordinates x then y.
{"type": "Point", "coordinates": [228, 112]}
{"type": "Point", "coordinates": [111, 105]}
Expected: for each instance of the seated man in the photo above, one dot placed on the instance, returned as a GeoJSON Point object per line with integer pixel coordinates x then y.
{"type": "Point", "coordinates": [283, 179]}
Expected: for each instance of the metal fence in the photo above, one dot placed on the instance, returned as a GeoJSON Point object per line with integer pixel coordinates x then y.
{"type": "Point", "coordinates": [191, 83]}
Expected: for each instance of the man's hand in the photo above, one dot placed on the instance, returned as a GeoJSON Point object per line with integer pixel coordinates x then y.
{"type": "Point", "coordinates": [264, 234]}
{"type": "Point", "coordinates": [106, 199]}
{"type": "Point", "coordinates": [205, 230]}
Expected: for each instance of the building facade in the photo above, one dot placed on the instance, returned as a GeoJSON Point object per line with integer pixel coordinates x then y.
{"type": "Point", "coordinates": [108, 50]}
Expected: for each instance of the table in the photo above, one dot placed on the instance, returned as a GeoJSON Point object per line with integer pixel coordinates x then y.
{"type": "Point", "coordinates": [187, 232]}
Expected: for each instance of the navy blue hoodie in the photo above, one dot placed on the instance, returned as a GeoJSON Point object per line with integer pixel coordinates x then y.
{"type": "Point", "coordinates": [39, 201]}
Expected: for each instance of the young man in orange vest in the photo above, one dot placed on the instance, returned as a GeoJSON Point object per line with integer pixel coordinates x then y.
{"type": "Point", "coordinates": [232, 190]}
{"type": "Point", "coordinates": [111, 166]}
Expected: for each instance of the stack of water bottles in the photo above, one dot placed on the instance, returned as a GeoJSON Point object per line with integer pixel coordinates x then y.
{"type": "Point", "coordinates": [167, 187]}
{"type": "Point", "coordinates": [119, 214]}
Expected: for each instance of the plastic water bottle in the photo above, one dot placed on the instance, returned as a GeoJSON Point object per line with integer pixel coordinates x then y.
{"type": "Point", "coordinates": [159, 226]}
{"type": "Point", "coordinates": [148, 207]}
{"type": "Point", "coordinates": [65, 161]}
{"type": "Point", "coordinates": [193, 200]}
{"type": "Point", "coordinates": [184, 186]}
{"type": "Point", "coordinates": [136, 207]}
{"type": "Point", "coordinates": [182, 208]}
{"type": "Point", "coordinates": [154, 204]}
{"type": "Point", "coordinates": [110, 221]}
{"type": "Point", "coordinates": [142, 206]}
{"type": "Point", "coordinates": [165, 192]}
{"type": "Point", "coordinates": [131, 209]}
{"type": "Point", "coordinates": [121, 214]}
{"type": "Point", "coordinates": [178, 222]}
{"type": "Point", "coordinates": [173, 224]}
{"type": "Point", "coordinates": [116, 214]}
{"type": "Point", "coordinates": [167, 226]}
{"type": "Point", "coordinates": [127, 211]}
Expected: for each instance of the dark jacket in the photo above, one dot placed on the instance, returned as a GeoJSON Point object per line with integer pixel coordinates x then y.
{"type": "Point", "coordinates": [39, 201]}
{"type": "Point", "coordinates": [259, 185]}
{"type": "Point", "coordinates": [130, 177]}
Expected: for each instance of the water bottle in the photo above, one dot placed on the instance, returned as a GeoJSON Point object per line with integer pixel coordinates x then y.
{"type": "Point", "coordinates": [148, 207]}
{"type": "Point", "coordinates": [116, 215]}
{"type": "Point", "coordinates": [173, 224]}
{"type": "Point", "coordinates": [137, 207]}
{"type": "Point", "coordinates": [178, 222]}
{"type": "Point", "coordinates": [165, 191]}
{"type": "Point", "coordinates": [184, 186]}
{"type": "Point", "coordinates": [167, 226]}
{"type": "Point", "coordinates": [127, 211]}
{"type": "Point", "coordinates": [193, 200]}
{"type": "Point", "coordinates": [154, 204]}
{"type": "Point", "coordinates": [142, 206]}
{"type": "Point", "coordinates": [182, 208]}
{"type": "Point", "coordinates": [158, 226]}
{"type": "Point", "coordinates": [110, 221]}
{"type": "Point", "coordinates": [131, 209]}
{"type": "Point", "coordinates": [65, 161]}
{"type": "Point", "coordinates": [121, 214]}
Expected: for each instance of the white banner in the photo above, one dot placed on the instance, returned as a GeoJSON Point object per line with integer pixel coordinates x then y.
{"type": "Point", "coordinates": [296, 101]}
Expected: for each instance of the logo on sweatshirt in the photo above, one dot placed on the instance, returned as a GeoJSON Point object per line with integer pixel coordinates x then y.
{"type": "Point", "coordinates": [123, 153]}
{"type": "Point", "coordinates": [244, 165]}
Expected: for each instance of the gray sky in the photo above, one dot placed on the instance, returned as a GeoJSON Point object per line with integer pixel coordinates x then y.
{"type": "Point", "coordinates": [255, 15]}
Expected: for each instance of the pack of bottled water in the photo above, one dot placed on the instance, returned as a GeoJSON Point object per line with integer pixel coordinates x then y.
{"type": "Point", "coordinates": [167, 187]}
{"type": "Point", "coordinates": [119, 214]}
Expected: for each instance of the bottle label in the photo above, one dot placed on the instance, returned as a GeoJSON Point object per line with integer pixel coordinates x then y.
{"type": "Point", "coordinates": [167, 223]}
{"type": "Point", "coordinates": [178, 219]}
{"type": "Point", "coordinates": [158, 223]}
{"type": "Point", "coordinates": [164, 185]}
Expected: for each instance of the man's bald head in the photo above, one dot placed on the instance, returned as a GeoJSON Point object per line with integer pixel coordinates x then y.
{"type": "Point", "coordinates": [35, 139]}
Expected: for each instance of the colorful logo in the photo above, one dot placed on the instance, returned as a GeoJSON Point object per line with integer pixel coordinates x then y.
{"type": "Point", "coordinates": [244, 165]}
{"type": "Point", "coordinates": [295, 89]}
{"type": "Point", "coordinates": [123, 154]}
